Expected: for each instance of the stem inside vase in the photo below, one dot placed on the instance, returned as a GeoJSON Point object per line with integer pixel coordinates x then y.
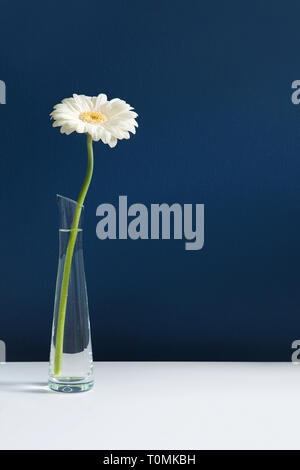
{"type": "Point", "coordinates": [68, 261]}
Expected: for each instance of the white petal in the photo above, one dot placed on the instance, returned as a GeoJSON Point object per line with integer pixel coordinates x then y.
{"type": "Point", "coordinates": [79, 103]}
{"type": "Point", "coordinates": [63, 130]}
{"type": "Point", "coordinates": [113, 142]}
{"type": "Point", "coordinates": [80, 128]}
{"type": "Point", "coordinates": [99, 101]}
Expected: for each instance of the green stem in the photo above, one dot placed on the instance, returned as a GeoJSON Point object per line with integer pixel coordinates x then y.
{"type": "Point", "coordinates": [68, 260]}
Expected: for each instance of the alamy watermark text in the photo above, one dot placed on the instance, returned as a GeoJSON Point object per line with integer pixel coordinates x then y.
{"type": "Point", "coordinates": [161, 222]}
{"type": "Point", "coordinates": [2, 92]}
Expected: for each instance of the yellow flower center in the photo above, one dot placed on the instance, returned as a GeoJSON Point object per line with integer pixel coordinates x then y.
{"type": "Point", "coordinates": [93, 117]}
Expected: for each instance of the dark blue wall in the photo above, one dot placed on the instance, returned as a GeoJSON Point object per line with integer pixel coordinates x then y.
{"type": "Point", "coordinates": [211, 81]}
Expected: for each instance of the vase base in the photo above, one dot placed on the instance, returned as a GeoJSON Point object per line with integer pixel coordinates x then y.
{"type": "Point", "coordinates": [69, 387]}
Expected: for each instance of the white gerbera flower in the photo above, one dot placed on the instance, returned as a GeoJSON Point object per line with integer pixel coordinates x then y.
{"type": "Point", "coordinates": [95, 115]}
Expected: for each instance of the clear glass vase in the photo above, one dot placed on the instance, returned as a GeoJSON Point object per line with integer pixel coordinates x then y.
{"type": "Point", "coordinates": [71, 361]}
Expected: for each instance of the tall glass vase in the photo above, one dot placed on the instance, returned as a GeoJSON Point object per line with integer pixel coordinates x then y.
{"type": "Point", "coordinates": [71, 361]}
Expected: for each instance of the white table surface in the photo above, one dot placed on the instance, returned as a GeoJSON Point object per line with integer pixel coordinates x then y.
{"type": "Point", "coordinates": [154, 405]}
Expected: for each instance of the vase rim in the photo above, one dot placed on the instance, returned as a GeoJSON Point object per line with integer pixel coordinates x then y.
{"type": "Point", "coordinates": [69, 199]}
